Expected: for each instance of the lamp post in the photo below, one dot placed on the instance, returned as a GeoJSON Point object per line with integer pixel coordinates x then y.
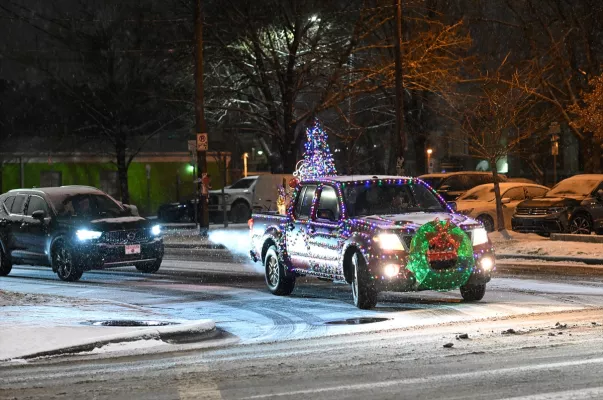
{"type": "Point", "coordinates": [429, 151]}
{"type": "Point", "coordinates": [554, 131]}
{"type": "Point", "coordinates": [245, 157]}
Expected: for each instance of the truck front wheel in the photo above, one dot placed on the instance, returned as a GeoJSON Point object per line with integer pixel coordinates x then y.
{"type": "Point", "coordinates": [473, 292]}
{"type": "Point", "coordinates": [278, 283]}
{"type": "Point", "coordinates": [363, 288]}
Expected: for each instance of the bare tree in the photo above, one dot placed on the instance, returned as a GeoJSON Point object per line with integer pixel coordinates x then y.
{"type": "Point", "coordinates": [496, 124]}
{"type": "Point", "coordinates": [589, 112]}
{"type": "Point", "coordinates": [560, 42]}
{"type": "Point", "coordinates": [111, 62]}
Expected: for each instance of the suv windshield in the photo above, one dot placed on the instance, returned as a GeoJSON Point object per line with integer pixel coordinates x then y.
{"type": "Point", "coordinates": [87, 205]}
{"type": "Point", "coordinates": [244, 183]}
{"type": "Point", "coordinates": [573, 188]}
{"type": "Point", "coordinates": [390, 199]}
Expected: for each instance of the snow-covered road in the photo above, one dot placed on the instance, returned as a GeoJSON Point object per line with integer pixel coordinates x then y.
{"type": "Point", "coordinates": [244, 307]}
{"type": "Point", "coordinates": [531, 338]}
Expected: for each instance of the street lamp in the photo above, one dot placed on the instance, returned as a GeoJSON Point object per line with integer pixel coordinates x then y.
{"type": "Point", "coordinates": [245, 157]}
{"type": "Point", "coordinates": [429, 151]}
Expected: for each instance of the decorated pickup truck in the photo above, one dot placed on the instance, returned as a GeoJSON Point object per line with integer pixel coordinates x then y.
{"type": "Point", "coordinates": [376, 234]}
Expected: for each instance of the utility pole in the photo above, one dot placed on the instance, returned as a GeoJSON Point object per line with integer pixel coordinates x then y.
{"type": "Point", "coordinates": [200, 126]}
{"type": "Point", "coordinates": [399, 134]}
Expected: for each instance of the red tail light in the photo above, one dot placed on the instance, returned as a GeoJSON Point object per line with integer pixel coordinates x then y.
{"type": "Point", "coordinates": [250, 224]}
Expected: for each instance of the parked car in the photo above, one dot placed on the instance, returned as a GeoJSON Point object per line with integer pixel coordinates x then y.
{"type": "Point", "coordinates": [522, 180]}
{"type": "Point", "coordinates": [478, 203]}
{"type": "Point", "coordinates": [359, 230]}
{"type": "Point", "coordinates": [74, 229]}
{"type": "Point", "coordinates": [183, 211]}
{"type": "Point", "coordinates": [451, 185]}
{"type": "Point", "coordinates": [254, 192]}
{"type": "Point", "coordinates": [574, 205]}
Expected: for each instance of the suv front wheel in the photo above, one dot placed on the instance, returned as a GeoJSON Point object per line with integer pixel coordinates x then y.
{"type": "Point", "coordinates": [581, 224]}
{"type": "Point", "coordinates": [63, 263]}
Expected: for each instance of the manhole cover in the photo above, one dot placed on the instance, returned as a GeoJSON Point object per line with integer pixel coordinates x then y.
{"type": "Point", "coordinates": [125, 322]}
{"type": "Point", "coordinates": [357, 321]}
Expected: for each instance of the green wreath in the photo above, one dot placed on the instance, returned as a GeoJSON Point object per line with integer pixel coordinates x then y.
{"type": "Point", "coordinates": [448, 248]}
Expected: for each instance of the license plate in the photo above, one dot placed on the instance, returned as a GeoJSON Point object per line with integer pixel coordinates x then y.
{"type": "Point", "coordinates": [133, 249]}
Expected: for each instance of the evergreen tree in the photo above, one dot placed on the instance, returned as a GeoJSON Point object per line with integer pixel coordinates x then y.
{"type": "Point", "coordinates": [318, 160]}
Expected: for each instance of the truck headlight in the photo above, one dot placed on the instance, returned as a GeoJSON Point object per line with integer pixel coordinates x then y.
{"type": "Point", "coordinates": [388, 241]}
{"type": "Point", "coordinates": [156, 230]}
{"type": "Point", "coordinates": [85, 234]}
{"type": "Point", "coordinates": [480, 236]}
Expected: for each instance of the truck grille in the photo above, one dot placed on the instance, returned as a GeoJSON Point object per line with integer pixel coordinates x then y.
{"type": "Point", "coordinates": [406, 239]}
{"type": "Point", "coordinates": [531, 211]}
{"type": "Point", "coordinates": [127, 237]}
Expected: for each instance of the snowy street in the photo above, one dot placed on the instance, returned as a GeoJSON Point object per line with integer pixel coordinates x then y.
{"type": "Point", "coordinates": [273, 345]}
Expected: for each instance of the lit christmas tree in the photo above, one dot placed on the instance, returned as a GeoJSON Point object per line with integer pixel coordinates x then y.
{"type": "Point", "coordinates": [318, 160]}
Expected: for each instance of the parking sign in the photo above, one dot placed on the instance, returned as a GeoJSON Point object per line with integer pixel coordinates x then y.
{"type": "Point", "coordinates": [201, 141]}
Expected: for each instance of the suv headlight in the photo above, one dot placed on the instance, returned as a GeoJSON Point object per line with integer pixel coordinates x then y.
{"type": "Point", "coordinates": [389, 241]}
{"type": "Point", "coordinates": [156, 230]}
{"type": "Point", "coordinates": [85, 234]}
{"type": "Point", "coordinates": [556, 210]}
{"type": "Point", "coordinates": [480, 236]}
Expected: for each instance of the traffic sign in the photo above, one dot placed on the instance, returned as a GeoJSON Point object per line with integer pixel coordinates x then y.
{"type": "Point", "coordinates": [202, 142]}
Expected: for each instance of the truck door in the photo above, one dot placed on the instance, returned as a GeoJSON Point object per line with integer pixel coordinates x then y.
{"type": "Point", "coordinates": [325, 236]}
{"type": "Point", "coordinates": [297, 244]}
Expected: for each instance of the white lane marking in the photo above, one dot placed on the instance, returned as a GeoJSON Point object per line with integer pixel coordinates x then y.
{"type": "Point", "coordinates": [590, 393]}
{"type": "Point", "coordinates": [439, 378]}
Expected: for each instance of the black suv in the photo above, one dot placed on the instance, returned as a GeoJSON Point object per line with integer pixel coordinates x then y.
{"type": "Point", "coordinates": [574, 205]}
{"type": "Point", "coordinates": [451, 185]}
{"type": "Point", "coordinates": [74, 229]}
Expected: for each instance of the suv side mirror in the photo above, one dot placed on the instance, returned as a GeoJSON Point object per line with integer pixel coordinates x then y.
{"type": "Point", "coordinates": [325, 213]}
{"type": "Point", "coordinates": [39, 214]}
{"type": "Point", "coordinates": [600, 194]}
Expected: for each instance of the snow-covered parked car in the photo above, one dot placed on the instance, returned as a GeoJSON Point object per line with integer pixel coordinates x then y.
{"type": "Point", "coordinates": [574, 205]}
{"type": "Point", "coordinates": [74, 229]}
{"type": "Point", "coordinates": [375, 233]}
{"type": "Point", "coordinates": [479, 204]}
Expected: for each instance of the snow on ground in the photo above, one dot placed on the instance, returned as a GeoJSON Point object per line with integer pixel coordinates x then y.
{"type": "Point", "coordinates": [532, 244]}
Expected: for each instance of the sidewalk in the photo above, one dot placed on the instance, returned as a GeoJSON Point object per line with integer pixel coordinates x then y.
{"type": "Point", "coordinates": [39, 325]}
{"type": "Point", "coordinates": [534, 247]}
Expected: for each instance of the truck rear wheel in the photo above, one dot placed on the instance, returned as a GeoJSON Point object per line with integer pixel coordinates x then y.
{"type": "Point", "coordinates": [276, 280]}
{"type": "Point", "coordinates": [363, 289]}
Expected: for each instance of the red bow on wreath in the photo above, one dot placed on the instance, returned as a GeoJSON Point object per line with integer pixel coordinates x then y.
{"type": "Point", "coordinates": [442, 244]}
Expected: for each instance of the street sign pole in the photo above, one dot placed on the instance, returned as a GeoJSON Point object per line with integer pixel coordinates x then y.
{"type": "Point", "coordinates": [201, 128]}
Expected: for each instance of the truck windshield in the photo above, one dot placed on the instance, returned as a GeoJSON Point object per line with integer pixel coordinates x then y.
{"type": "Point", "coordinates": [377, 199]}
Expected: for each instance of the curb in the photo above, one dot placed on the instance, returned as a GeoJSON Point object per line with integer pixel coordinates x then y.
{"type": "Point", "coordinates": [203, 330]}
{"type": "Point", "coordinates": [588, 261]}
{"type": "Point", "coordinates": [204, 246]}
{"type": "Point", "coordinates": [567, 237]}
